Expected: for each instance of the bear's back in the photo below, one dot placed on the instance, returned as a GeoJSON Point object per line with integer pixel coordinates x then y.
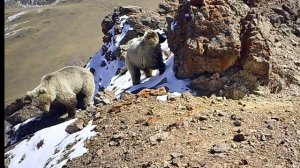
{"type": "Point", "coordinates": [68, 77]}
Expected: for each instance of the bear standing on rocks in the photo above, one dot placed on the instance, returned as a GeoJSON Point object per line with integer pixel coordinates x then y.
{"type": "Point", "coordinates": [145, 54]}
{"type": "Point", "coordinates": [65, 86]}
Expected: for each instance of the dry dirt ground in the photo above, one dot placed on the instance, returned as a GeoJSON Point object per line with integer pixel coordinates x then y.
{"type": "Point", "coordinates": [53, 37]}
{"type": "Point", "coordinates": [260, 130]}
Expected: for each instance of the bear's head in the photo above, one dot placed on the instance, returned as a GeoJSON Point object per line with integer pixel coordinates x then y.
{"type": "Point", "coordinates": [40, 98]}
{"type": "Point", "coordinates": [151, 37]}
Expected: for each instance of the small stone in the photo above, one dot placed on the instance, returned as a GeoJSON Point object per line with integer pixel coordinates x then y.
{"type": "Point", "coordinates": [140, 121]}
{"type": "Point", "coordinates": [239, 137]}
{"type": "Point", "coordinates": [158, 137]}
{"type": "Point", "coordinates": [270, 127]}
{"type": "Point", "coordinates": [176, 162]}
{"type": "Point", "coordinates": [222, 114]}
{"type": "Point", "coordinates": [189, 107]}
{"type": "Point", "coordinates": [275, 118]}
{"type": "Point", "coordinates": [220, 148]}
{"type": "Point", "coordinates": [210, 126]}
{"type": "Point", "coordinates": [40, 144]}
{"type": "Point", "coordinates": [176, 155]}
{"type": "Point", "coordinates": [297, 63]}
{"type": "Point", "coordinates": [262, 137]}
{"type": "Point", "coordinates": [174, 125]}
{"type": "Point", "coordinates": [233, 145]}
{"type": "Point", "coordinates": [202, 128]}
{"type": "Point", "coordinates": [74, 127]}
{"type": "Point", "coordinates": [243, 162]}
{"type": "Point", "coordinates": [237, 123]}
{"type": "Point", "coordinates": [201, 118]}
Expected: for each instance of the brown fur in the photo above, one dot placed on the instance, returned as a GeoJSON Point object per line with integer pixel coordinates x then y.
{"type": "Point", "coordinates": [64, 86]}
{"type": "Point", "coordinates": [144, 54]}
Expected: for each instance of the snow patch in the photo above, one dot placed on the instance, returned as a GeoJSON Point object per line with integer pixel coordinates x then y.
{"type": "Point", "coordinates": [162, 98]}
{"type": "Point", "coordinates": [16, 16]}
{"type": "Point", "coordinates": [48, 146]}
{"type": "Point", "coordinates": [103, 75]}
{"type": "Point", "coordinates": [14, 26]}
{"type": "Point", "coordinates": [20, 4]}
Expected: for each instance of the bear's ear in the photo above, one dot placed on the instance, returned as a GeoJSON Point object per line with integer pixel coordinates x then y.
{"type": "Point", "coordinates": [42, 90]}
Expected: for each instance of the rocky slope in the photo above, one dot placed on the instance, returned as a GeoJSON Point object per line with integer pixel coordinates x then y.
{"type": "Point", "coordinates": [219, 51]}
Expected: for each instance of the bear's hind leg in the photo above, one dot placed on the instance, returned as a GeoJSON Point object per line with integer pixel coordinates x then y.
{"type": "Point", "coordinates": [148, 72]}
{"type": "Point", "coordinates": [71, 103]}
{"type": "Point", "coordinates": [87, 91]}
{"type": "Point", "coordinates": [161, 67]}
{"type": "Point", "coordinates": [88, 99]}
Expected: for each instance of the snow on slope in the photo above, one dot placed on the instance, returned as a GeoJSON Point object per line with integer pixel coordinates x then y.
{"type": "Point", "coordinates": [47, 148]}
{"type": "Point", "coordinates": [105, 77]}
{"type": "Point", "coordinates": [16, 16]}
{"type": "Point", "coordinates": [29, 4]}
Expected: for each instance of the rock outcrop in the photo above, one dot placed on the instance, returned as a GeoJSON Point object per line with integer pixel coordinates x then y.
{"type": "Point", "coordinates": [204, 38]}
{"type": "Point", "coordinates": [226, 47]}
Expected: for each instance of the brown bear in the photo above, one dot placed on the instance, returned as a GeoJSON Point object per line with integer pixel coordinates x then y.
{"type": "Point", "coordinates": [65, 86]}
{"type": "Point", "coordinates": [145, 54]}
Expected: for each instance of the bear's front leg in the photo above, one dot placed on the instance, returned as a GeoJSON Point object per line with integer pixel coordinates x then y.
{"type": "Point", "coordinates": [161, 67]}
{"type": "Point", "coordinates": [71, 106]}
{"type": "Point", "coordinates": [135, 74]}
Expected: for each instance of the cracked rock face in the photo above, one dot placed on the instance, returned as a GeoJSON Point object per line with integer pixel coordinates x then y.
{"type": "Point", "coordinates": [255, 51]}
{"type": "Point", "coordinates": [204, 37]}
{"type": "Point", "coordinates": [227, 47]}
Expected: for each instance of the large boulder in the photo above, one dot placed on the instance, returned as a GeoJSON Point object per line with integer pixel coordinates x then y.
{"type": "Point", "coordinates": [204, 37]}
{"type": "Point", "coordinates": [224, 46]}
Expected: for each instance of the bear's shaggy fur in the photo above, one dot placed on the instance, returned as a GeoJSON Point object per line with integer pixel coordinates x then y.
{"type": "Point", "coordinates": [145, 54]}
{"type": "Point", "coordinates": [65, 86]}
